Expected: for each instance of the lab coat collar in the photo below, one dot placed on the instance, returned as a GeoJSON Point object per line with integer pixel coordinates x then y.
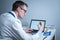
{"type": "Point", "coordinates": [14, 14]}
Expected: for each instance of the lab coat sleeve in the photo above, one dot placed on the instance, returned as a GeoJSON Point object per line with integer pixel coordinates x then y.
{"type": "Point", "coordinates": [6, 38]}
{"type": "Point", "coordinates": [23, 34]}
{"type": "Point", "coordinates": [38, 36]}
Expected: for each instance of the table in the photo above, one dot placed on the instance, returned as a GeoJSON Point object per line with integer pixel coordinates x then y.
{"type": "Point", "coordinates": [52, 36]}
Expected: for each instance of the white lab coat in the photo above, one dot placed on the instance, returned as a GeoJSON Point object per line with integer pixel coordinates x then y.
{"type": "Point", "coordinates": [11, 29]}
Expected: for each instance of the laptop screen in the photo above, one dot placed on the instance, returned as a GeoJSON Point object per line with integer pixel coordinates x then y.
{"type": "Point", "coordinates": [34, 23]}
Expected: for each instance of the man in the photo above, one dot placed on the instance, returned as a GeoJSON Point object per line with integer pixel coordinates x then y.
{"type": "Point", "coordinates": [11, 26]}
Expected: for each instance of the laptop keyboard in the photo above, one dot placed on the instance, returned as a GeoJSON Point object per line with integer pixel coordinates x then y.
{"type": "Point", "coordinates": [33, 32]}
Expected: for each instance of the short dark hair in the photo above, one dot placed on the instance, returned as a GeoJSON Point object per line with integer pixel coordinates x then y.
{"type": "Point", "coordinates": [18, 4]}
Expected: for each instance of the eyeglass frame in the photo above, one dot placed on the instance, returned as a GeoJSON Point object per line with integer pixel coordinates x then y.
{"type": "Point", "coordinates": [23, 9]}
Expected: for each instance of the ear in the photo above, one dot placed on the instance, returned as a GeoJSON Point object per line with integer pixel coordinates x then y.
{"type": "Point", "coordinates": [18, 9]}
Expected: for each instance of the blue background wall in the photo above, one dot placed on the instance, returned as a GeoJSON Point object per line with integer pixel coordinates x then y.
{"type": "Point", "coordinates": [6, 5]}
{"type": "Point", "coordinates": [48, 10]}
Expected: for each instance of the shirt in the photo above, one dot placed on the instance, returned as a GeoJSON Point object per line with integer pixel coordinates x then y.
{"type": "Point", "coordinates": [11, 29]}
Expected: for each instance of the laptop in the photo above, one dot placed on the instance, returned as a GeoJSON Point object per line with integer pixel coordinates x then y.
{"type": "Point", "coordinates": [34, 25]}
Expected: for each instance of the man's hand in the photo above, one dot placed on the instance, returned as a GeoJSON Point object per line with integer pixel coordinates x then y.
{"type": "Point", "coordinates": [28, 30]}
{"type": "Point", "coordinates": [40, 26]}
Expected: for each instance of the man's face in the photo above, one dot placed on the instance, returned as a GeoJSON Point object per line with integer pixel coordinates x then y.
{"type": "Point", "coordinates": [22, 11]}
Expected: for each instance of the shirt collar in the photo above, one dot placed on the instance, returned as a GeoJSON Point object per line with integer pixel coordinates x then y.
{"type": "Point", "coordinates": [14, 14]}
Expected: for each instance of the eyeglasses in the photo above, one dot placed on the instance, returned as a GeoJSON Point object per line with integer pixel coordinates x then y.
{"type": "Point", "coordinates": [23, 9]}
